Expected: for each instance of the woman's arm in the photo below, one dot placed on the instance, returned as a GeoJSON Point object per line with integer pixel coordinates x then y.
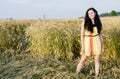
{"type": "Point", "coordinates": [102, 44]}
{"type": "Point", "coordinates": [82, 36]}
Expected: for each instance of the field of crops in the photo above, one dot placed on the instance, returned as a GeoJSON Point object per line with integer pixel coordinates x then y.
{"type": "Point", "coordinates": [50, 49]}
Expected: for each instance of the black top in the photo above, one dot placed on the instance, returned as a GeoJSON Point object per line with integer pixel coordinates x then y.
{"type": "Point", "coordinates": [94, 25]}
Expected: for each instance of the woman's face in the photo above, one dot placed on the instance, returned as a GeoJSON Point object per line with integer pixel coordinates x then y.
{"type": "Point", "coordinates": [91, 14]}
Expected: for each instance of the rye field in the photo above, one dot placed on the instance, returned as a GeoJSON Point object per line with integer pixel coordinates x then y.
{"type": "Point", "coordinates": [50, 49]}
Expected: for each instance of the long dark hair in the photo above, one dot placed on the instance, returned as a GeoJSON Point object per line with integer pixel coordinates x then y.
{"type": "Point", "coordinates": [88, 23]}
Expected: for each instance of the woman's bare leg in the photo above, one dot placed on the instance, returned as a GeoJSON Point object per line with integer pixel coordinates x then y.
{"type": "Point", "coordinates": [97, 65]}
{"type": "Point", "coordinates": [80, 64]}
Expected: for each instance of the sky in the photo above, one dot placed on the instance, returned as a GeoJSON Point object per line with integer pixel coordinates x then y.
{"type": "Point", "coordinates": [52, 9]}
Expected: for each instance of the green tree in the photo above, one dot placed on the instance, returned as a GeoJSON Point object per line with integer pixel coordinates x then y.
{"type": "Point", "coordinates": [113, 13]}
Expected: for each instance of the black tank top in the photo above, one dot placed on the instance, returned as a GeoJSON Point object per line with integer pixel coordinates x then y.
{"type": "Point", "coordinates": [94, 25]}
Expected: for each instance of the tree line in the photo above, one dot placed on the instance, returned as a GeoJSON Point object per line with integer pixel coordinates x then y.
{"type": "Point", "coordinates": [112, 13]}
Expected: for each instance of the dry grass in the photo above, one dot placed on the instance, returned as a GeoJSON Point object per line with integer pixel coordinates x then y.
{"type": "Point", "coordinates": [26, 67]}
{"type": "Point", "coordinates": [49, 49]}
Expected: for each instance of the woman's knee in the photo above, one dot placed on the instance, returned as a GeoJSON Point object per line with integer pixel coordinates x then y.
{"type": "Point", "coordinates": [97, 59]}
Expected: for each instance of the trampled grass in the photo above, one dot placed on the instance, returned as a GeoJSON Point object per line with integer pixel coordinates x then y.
{"type": "Point", "coordinates": [26, 67]}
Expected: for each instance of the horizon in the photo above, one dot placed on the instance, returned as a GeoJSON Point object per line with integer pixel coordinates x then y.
{"type": "Point", "coordinates": [52, 9]}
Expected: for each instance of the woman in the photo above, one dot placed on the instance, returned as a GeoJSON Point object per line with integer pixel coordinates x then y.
{"type": "Point", "coordinates": [91, 39]}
